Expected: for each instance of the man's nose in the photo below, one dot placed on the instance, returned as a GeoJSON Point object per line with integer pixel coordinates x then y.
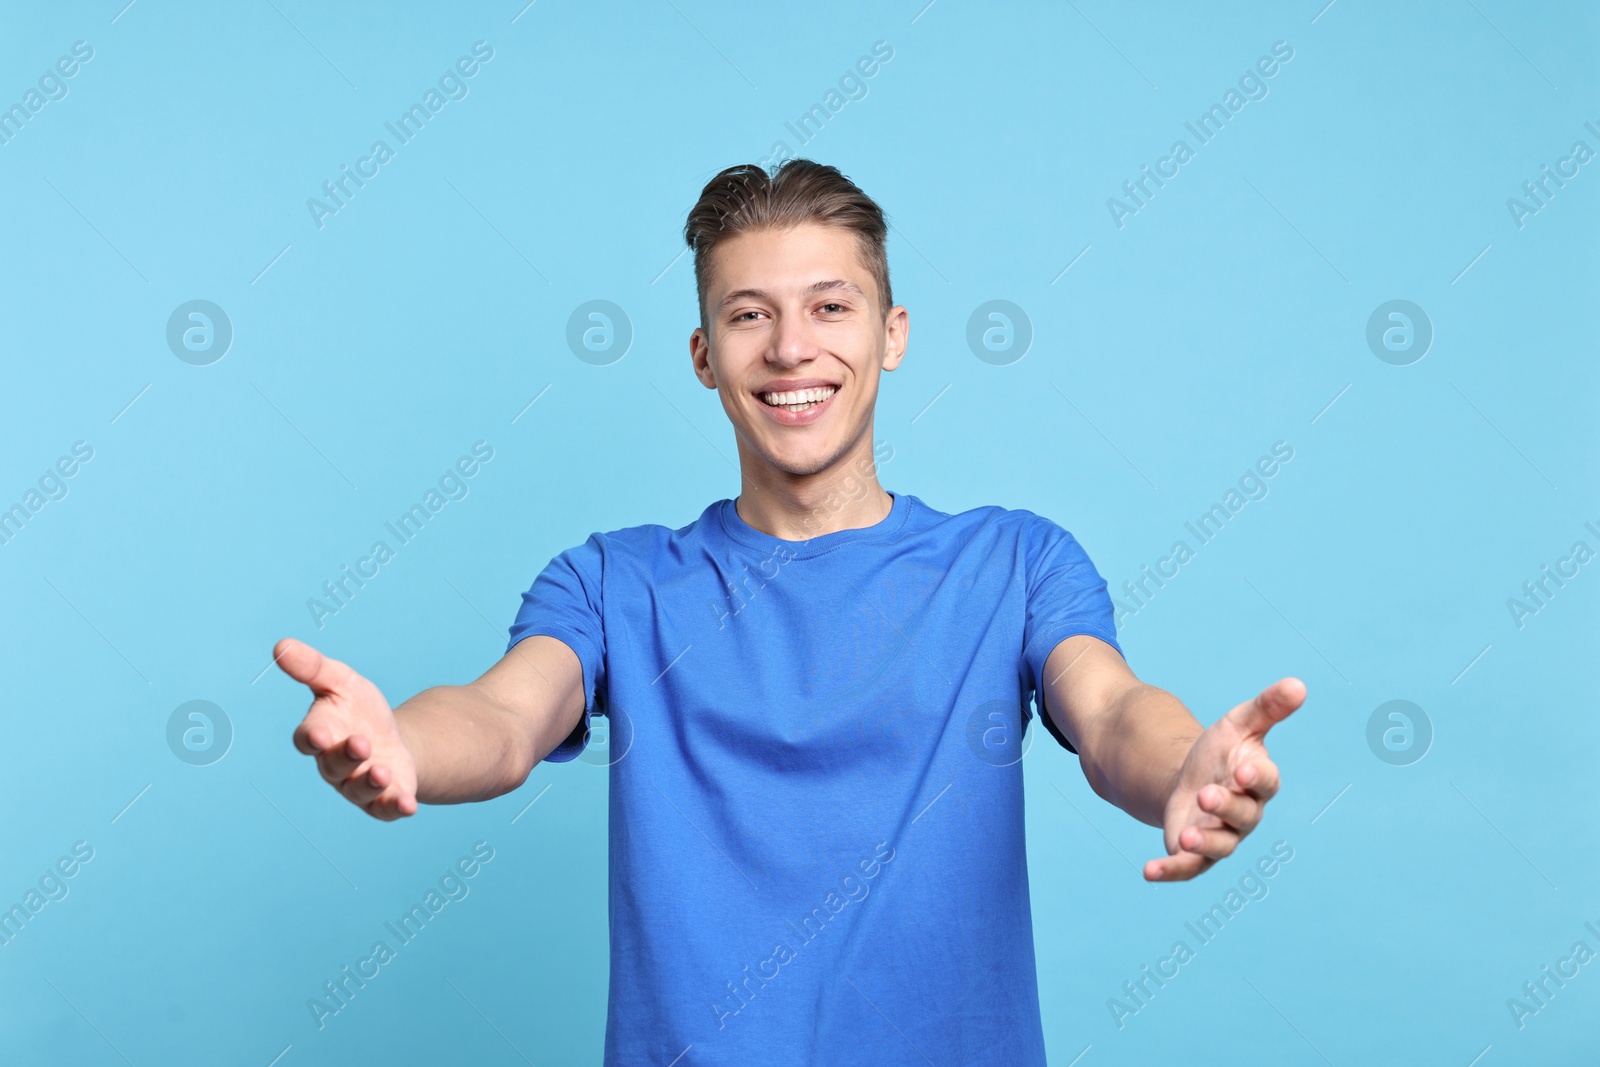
{"type": "Point", "coordinates": [792, 342]}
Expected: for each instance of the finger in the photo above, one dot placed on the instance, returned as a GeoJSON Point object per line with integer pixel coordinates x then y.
{"type": "Point", "coordinates": [320, 730]}
{"type": "Point", "coordinates": [381, 810]}
{"type": "Point", "coordinates": [1270, 707]}
{"type": "Point", "coordinates": [1238, 811]}
{"type": "Point", "coordinates": [1213, 844]}
{"type": "Point", "coordinates": [404, 805]}
{"type": "Point", "coordinates": [366, 784]}
{"type": "Point", "coordinates": [341, 761]}
{"type": "Point", "coordinates": [303, 739]}
{"type": "Point", "coordinates": [1258, 778]}
{"type": "Point", "coordinates": [306, 665]}
{"type": "Point", "coordinates": [1178, 867]}
{"type": "Point", "coordinates": [392, 806]}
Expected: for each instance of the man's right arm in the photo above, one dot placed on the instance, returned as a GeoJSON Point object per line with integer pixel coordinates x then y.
{"type": "Point", "coordinates": [480, 740]}
{"type": "Point", "coordinates": [446, 745]}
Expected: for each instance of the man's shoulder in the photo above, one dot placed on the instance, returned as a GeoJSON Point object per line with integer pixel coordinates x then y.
{"type": "Point", "coordinates": [650, 537]}
{"type": "Point", "coordinates": [999, 532]}
{"type": "Point", "coordinates": [1012, 521]}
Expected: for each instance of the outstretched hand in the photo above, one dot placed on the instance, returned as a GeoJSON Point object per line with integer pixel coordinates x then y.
{"type": "Point", "coordinates": [352, 732]}
{"type": "Point", "coordinates": [1223, 785]}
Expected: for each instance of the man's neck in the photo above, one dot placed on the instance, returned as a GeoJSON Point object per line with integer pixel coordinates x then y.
{"type": "Point", "coordinates": [846, 496]}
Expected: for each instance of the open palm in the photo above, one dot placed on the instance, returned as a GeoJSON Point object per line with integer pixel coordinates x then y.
{"type": "Point", "coordinates": [351, 730]}
{"type": "Point", "coordinates": [1223, 785]}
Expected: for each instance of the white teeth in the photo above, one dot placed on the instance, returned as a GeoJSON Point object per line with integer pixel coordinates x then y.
{"type": "Point", "coordinates": [800, 396]}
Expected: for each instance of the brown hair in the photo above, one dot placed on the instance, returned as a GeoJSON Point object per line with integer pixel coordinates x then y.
{"type": "Point", "coordinates": [744, 198]}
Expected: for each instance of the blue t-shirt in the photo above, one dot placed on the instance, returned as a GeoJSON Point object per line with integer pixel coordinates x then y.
{"type": "Point", "coordinates": [816, 806]}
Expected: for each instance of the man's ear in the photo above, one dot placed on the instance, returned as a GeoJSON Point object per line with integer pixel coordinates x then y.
{"type": "Point", "coordinates": [700, 355]}
{"type": "Point", "coordinates": [898, 328]}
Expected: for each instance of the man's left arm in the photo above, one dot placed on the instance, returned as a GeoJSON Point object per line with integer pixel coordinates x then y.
{"type": "Point", "coordinates": [1143, 751]}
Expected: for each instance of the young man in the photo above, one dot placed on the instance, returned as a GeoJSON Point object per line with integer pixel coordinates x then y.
{"type": "Point", "coordinates": [817, 694]}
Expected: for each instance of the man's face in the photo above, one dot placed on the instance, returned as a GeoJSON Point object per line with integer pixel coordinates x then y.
{"type": "Point", "coordinates": [793, 316]}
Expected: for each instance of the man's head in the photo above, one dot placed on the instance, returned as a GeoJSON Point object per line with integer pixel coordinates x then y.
{"type": "Point", "coordinates": [793, 285]}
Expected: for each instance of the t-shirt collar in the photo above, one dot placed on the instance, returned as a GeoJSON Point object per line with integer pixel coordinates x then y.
{"type": "Point", "coordinates": [741, 532]}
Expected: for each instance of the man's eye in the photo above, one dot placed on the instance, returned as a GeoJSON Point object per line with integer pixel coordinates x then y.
{"type": "Point", "coordinates": [839, 307]}
{"type": "Point", "coordinates": [741, 316]}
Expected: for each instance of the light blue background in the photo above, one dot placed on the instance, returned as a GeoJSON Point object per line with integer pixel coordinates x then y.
{"type": "Point", "coordinates": [1224, 316]}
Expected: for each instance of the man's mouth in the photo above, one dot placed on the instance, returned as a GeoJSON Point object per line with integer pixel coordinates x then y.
{"type": "Point", "coordinates": [798, 400]}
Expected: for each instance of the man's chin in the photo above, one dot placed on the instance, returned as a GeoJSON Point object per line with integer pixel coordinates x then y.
{"type": "Point", "coordinates": [803, 459]}
{"type": "Point", "coordinates": [801, 464]}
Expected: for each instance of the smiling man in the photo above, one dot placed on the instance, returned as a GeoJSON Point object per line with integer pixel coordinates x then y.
{"type": "Point", "coordinates": [816, 804]}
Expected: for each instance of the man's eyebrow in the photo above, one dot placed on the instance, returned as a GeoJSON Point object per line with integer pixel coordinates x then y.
{"type": "Point", "coordinates": [811, 290]}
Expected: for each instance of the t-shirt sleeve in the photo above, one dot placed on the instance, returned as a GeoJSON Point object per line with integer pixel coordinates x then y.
{"type": "Point", "coordinates": [1066, 596]}
{"type": "Point", "coordinates": [565, 603]}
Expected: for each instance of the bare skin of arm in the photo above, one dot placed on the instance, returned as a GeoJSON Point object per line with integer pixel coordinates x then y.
{"type": "Point", "coordinates": [1143, 751]}
{"type": "Point", "coordinates": [447, 745]}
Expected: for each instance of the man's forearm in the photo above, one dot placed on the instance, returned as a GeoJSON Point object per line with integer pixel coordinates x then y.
{"type": "Point", "coordinates": [466, 746]}
{"type": "Point", "coordinates": [1137, 748]}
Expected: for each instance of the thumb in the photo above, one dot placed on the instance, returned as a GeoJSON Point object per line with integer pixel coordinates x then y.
{"type": "Point", "coordinates": [1270, 707]}
{"type": "Point", "coordinates": [305, 664]}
